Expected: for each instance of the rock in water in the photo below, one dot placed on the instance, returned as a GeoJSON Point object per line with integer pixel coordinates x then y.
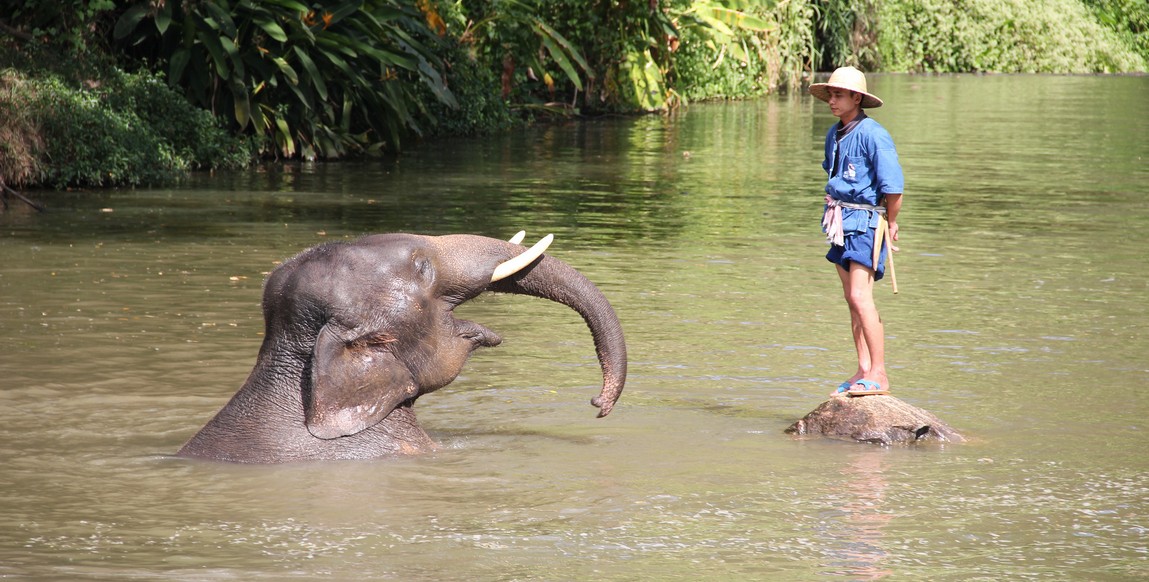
{"type": "Point", "coordinates": [879, 419]}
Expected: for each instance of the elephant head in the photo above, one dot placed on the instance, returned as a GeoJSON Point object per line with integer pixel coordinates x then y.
{"type": "Point", "coordinates": [357, 331]}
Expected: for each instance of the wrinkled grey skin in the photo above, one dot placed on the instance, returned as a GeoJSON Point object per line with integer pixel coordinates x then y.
{"type": "Point", "coordinates": [356, 332]}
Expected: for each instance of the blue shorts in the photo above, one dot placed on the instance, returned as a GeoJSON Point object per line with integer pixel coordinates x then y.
{"type": "Point", "coordinates": [859, 248]}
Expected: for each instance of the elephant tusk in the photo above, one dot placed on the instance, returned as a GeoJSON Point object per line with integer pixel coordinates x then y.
{"type": "Point", "coordinates": [518, 238]}
{"type": "Point", "coordinates": [508, 268]}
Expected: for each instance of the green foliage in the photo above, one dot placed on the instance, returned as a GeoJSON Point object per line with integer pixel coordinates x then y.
{"type": "Point", "coordinates": [68, 23]}
{"type": "Point", "coordinates": [847, 34]}
{"type": "Point", "coordinates": [1128, 18]}
{"type": "Point", "coordinates": [195, 136]}
{"type": "Point", "coordinates": [633, 51]}
{"type": "Point", "coordinates": [521, 39]}
{"type": "Point", "coordinates": [742, 49]}
{"type": "Point", "coordinates": [90, 144]}
{"type": "Point", "coordinates": [322, 79]}
{"type": "Point", "coordinates": [329, 78]}
{"type": "Point", "coordinates": [476, 88]}
{"type": "Point", "coordinates": [21, 144]}
{"type": "Point", "coordinates": [634, 56]}
{"type": "Point", "coordinates": [1000, 36]}
{"type": "Point", "coordinates": [616, 56]}
{"type": "Point", "coordinates": [131, 131]}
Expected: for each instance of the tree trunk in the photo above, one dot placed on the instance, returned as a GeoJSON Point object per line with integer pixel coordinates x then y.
{"type": "Point", "coordinates": [879, 419]}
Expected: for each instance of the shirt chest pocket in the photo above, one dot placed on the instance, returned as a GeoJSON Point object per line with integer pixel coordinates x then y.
{"type": "Point", "coordinates": [854, 169]}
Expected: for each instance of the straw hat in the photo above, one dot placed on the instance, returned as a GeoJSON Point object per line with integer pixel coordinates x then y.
{"type": "Point", "coordinates": [850, 79]}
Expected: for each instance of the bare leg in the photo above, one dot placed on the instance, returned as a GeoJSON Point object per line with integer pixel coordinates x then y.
{"type": "Point", "coordinates": [856, 330]}
{"type": "Point", "coordinates": [866, 324]}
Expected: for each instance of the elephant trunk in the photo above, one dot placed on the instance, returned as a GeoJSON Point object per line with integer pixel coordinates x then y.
{"type": "Point", "coordinates": [549, 278]}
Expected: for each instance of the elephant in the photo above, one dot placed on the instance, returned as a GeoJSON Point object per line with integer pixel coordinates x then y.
{"type": "Point", "coordinates": [356, 331]}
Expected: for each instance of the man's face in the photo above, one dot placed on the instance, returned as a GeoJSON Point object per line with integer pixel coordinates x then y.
{"type": "Point", "coordinates": [844, 104]}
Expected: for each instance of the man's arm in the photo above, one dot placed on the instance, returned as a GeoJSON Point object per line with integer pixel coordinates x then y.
{"type": "Point", "coordinates": [893, 203]}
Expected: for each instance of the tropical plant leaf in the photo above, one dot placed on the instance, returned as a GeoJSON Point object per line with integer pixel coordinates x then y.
{"type": "Point", "coordinates": [164, 17]}
{"type": "Point", "coordinates": [337, 62]}
{"type": "Point", "coordinates": [646, 84]}
{"type": "Point", "coordinates": [242, 103]}
{"type": "Point", "coordinates": [291, 5]}
{"type": "Point", "coordinates": [736, 19]}
{"type": "Point", "coordinates": [667, 25]}
{"type": "Point", "coordinates": [233, 57]}
{"type": "Point", "coordinates": [211, 41]}
{"type": "Point", "coordinates": [283, 137]}
{"type": "Point", "coordinates": [286, 69]}
{"type": "Point", "coordinates": [562, 61]}
{"type": "Point", "coordinates": [220, 19]}
{"type": "Point", "coordinates": [345, 113]}
{"type": "Point", "coordinates": [129, 20]}
{"type": "Point", "coordinates": [707, 20]}
{"type": "Point", "coordinates": [570, 49]}
{"type": "Point", "coordinates": [438, 86]}
{"type": "Point", "coordinates": [312, 72]}
{"type": "Point", "coordinates": [272, 28]}
{"type": "Point", "coordinates": [176, 65]}
{"type": "Point", "coordinates": [311, 79]}
{"type": "Point", "coordinates": [344, 10]}
{"type": "Point", "coordinates": [737, 50]}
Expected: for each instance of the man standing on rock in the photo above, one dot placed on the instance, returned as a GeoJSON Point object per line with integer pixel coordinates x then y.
{"type": "Point", "coordinates": [863, 197]}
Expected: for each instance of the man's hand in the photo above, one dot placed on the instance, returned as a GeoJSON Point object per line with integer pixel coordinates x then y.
{"type": "Point", "coordinates": [893, 204]}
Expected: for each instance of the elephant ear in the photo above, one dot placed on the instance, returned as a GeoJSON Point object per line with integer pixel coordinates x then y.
{"type": "Point", "coordinates": [355, 383]}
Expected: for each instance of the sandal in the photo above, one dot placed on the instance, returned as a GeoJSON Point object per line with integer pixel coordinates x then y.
{"type": "Point", "coordinates": [868, 388]}
{"type": "Point", "coordinates": [843, 388]}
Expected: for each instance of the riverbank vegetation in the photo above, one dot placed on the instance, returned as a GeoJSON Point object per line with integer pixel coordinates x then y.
{"type": "Point", "coordinates": [121, 92]}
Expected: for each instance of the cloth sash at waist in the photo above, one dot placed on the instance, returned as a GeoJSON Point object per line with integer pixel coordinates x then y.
{"type": "Point", "coordinates": [832, 217]}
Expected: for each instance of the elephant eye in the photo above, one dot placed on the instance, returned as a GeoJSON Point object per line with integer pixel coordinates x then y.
{"type": "Point", "coordinates": [372, 340]}
{"type": "Point", "coordinates": [424, 269]}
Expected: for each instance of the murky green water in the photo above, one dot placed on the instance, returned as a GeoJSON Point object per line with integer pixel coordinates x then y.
{"type": "Point", "coordinates": [128, 318]}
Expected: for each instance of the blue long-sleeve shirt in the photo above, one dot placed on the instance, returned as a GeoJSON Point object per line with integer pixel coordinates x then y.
{"type": "Point", "coordinates": [862, 167]}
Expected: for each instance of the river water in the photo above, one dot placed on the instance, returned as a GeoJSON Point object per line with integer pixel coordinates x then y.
{"type": "Point", "coordinates": [127, 318]}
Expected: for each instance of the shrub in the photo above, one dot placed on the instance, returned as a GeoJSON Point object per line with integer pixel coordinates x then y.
{"type": "Point", "coordinates": [742, 59]}
{"type": "Point", "coordinates": [315, 80]}
{"type": "Point", "coordinates": [197, 137]}
{"type": "Point", "coordinates": [127, 130]}
{"type": "Point", "coordinates": [480, 109]}
{"type": "Point", "coordinates": [999, 36]}
{"type": "Point", "coordinates": [534, 51]}
{"type": "Point", "coordinates": [1128, 18]}
{"type": "Point", "coordinates": [20, 142]}
{"type": "Point", "coordinates": [89, 144]}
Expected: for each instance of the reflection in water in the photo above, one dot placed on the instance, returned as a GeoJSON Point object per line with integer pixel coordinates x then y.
{"type": "Point", "coordinates": [859, 535]}
{"type": "Point", "coordinates": [127, 318]}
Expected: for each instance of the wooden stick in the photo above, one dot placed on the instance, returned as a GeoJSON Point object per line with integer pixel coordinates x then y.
{"type": "Point", "coordinates": [879, 236]}
{"type": "Point", "coordinates": [890, 260]}
{"type": "Point", "coordinates": [882, 234]}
